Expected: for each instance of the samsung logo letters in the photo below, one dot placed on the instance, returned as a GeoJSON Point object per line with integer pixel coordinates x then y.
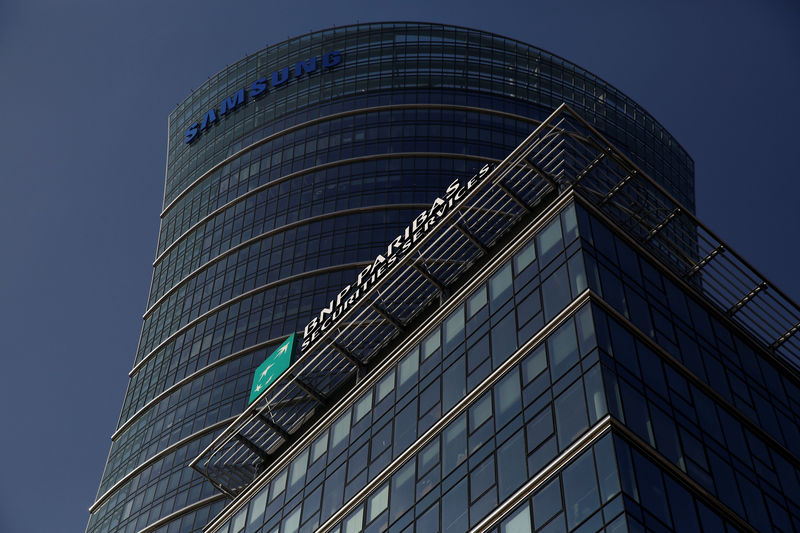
{"type": "Point", "coordinates": [259, 88]}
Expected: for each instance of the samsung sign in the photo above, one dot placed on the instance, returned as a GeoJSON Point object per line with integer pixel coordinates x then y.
{"type": "Point", "coordinates": [259, 88]}
{"type": "Point", "coordinates": [422, 225]}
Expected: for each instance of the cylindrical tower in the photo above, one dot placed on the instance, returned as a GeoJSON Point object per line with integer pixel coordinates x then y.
{"type": "Point", "coordinates": [287, 172]}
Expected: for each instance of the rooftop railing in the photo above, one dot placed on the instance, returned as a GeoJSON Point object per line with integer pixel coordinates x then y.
{"type": "Point", "coordinates": [563, 153]}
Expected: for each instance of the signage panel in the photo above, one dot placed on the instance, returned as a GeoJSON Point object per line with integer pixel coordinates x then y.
{"type": "Point", "coordinates": [272, 367]}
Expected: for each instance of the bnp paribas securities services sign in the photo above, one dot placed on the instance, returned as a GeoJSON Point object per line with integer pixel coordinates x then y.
{"type": "Point", "coordinates": [274, 365]}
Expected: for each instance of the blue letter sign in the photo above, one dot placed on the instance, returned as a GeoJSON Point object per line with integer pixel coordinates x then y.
{"type": "Point", "coordinates": [258, 88]}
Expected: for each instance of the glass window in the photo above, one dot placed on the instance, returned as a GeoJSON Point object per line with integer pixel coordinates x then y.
{"type": "Point", "coordinates": [340, 430]}
{"type": "Point", "coordinates": [378, 503]}
{"type": "Point", "coordinates": [508, 400]}
{"type": "Point", "coordinates": [571, 418]}
{"type": "Point", "coordinates": [481, 477]}
{"type": "Point", "coordinates": [562, 346]}
{"type": "Point", "coordinates": [683, 505]}
{"type": "Point", "coordinates": [454, 384]}
{"type": "Point", "coordinates": [430, 344]}
{"type": "Point", "coordinates": [580, 490]}
{"type": "Point", "coordinates": [651, 488]}
{"type": "Point", "coordinates": [549, 241]}
{"type": "Point", "coordinates": [385, 387]}
{"type": "Point", "coordinates": [454, 509]}
{"type": "Point", "coordinates": [319, 447]}
{"type": "Point", "coordinates": [353, 522]}
{"type": "Point", "coordinates": [239, 521]}
{"type": "Point", "coordinates": [504, 339]}
{"type": "Point", "coordinates": [257, 506]}
{"type": "Point", "coordinates": [500, 286]}
{"type": "Point", "coordinates": [476, 302]}
{"type": "Point", "coordinates": [402, 495]}
{"type": "Point", "coordinates": [480, 412]}
{"type": "Point", "coordinates": [606, 468]}
{"type": "Point", "coordinates": [454, 449]}
{"type": "Point", "coordinates": [570, 223]}
{"type": "Point", "coordinates": [555, 293]}
{"type": "Point", "coordinates": [407, 369]}
{"type": "Point", "coordinates": [454, 329]}
{"type": "Point", "coordinates": [520, 521]}
{"type": "Point", "coordinates": [363, 406]}
{"type": "Point", "coordinates": [332, 495]}
{"type": "Point", "coordinates": [534, 364]}
{"type": "Point", "coordinates": [547, 503]}
{"type": "Point", "coordinates": [278, 485]}
{"type": "Point", "coordinates": [510, 472]}
{"type": "Point", "coordinates": [292, 522]}
{"type": "Point", "coordinates": [524, 257]}
{"type": "Point", "coordinates": [297, 470]}
{"type": "Point", "coordinates": [430, 520]}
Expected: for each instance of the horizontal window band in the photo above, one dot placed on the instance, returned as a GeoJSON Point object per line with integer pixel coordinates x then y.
{"type": "Point", "coordinates": [289, 279]}
{"type": "Point", "coordinates": [334, 116]}
{"type": "Point", "coordinates": [275, 231]}
{"type": "Point", "coordinates": [310, 170]}
{"type": "Point", "coordinates": [166, 451]}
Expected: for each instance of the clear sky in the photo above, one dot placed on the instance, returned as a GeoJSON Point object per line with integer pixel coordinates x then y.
{"type": "Point", "coordinates": [85, 93]}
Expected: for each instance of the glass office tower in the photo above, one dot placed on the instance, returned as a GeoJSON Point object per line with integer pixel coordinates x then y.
{"type": "Point", "coordinates": [563, 347]}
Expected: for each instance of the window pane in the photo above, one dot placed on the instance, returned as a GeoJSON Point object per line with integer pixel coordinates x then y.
{"type": "Point", "coordinates": [454, 449]}
{"type": "Point", "coordinates": [555, 293]}
{"type": "Point", "coordinates": [563, 348]}
{"type": "Point", "coordinates": [510, 470]}
{"type": "Point", "coordinates": [454, 329]}
{"type": "Point", "coordinates": [546, 503]}
{"type": "Point", "coordinates": [524, 257]}
{"type": "Point", "coordinates": [500, 286]}
{"type": "Point", "coordinates": [549, 241]}
{"type": "Point", "coordinates": [571, 418]}
{"type": "Point", "coordinates": [476, 302]}
{"type": "Point", "coordinates": [402, 496]}
{"type": "Point", "coordinates": [520, 522]}
{"type": "Point", "coordinates": [353, 522]}
{"type": "Point", "coordinates": [580, 489]}
{"type": "Point", "coordinates": [407, 369]}
{"type": "Point", "coordinates": [504, 339]}
{"type": "Point", "coordinates": [378, 503]}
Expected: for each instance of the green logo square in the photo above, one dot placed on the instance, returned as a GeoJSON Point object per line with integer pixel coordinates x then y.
{"type": "Point", "coordinates": [272, 367]}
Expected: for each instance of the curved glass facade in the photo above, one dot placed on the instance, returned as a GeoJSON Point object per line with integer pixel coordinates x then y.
{"type": "Point", "coordinates": [282, 198]}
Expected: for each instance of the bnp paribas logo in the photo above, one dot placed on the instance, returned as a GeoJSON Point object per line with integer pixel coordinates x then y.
{"type": "Point", "coordinates": [274, 365]}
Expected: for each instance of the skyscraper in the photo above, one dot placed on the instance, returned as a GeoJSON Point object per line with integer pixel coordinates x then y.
{"type": "Point", "coordinates": [549, 342]}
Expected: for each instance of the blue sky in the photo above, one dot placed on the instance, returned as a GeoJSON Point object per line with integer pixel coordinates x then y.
{"type": "Point", "coordinates": [86, 89]}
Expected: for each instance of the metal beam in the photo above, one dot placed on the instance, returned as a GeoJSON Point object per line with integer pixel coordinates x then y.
{"type": "Point", "coordinates": [471, 237]}
{"type": "Point", "coordinates": [747, 297]}
{"type": "Point", "coordinates": [273, 426]}
{"type": "Point", "coordinates": [347, 355]}
{"type": "Point", "coordinates": [614, 190]}
{"type": "Point", "coordinates": [785, 337]}
{"type": "Point", "coordinates": [591, 166]}
{"type": "Point", "coordinates": [385, 314]}
{"type": "Point", "coordinates": [311, 391]}
{"type": "Point", "coordinates": [541, 173]}
{"type": "Point", "coordinates": [653, 232]}
{"type": "Point", "coordinates": [252, 447]}
{"type": "Point", "coordinates": [511, 194]}
{"type": "Point", "coordinates": [704, 261]}
{"type": "Point", "coordinates": [432, 279]}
